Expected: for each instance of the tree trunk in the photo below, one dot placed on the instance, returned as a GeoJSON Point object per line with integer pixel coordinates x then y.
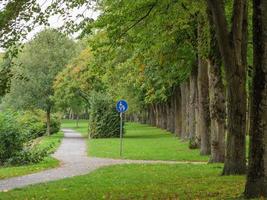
{"type": "Point", "coordinates": [249, 76]}
{"type": "Point", "coordinates": [187, 89]}
{"type": "Point", "coordinates": [160, 116]}
{"type": "Point", "coordinates": [77, 121]}
{"type": "Point", "coordinates": [193, 142]}
{"type": "Point", "coordinates": [216, 99]}
{"type": "Point", "coordinates": [48, 121]}
{"type": "Point", "coordinates": [203, 105]}
{"type": "Point", "coordinates": [232, 47]}
{"type": "Point", "coordinates": [235, 162]}
{"type": "Point", "coordinates": [164, 115]}
{"type": "Point", "coordinates": [157, 115]}
{"type": "Point", "coordinates": [170, 114]}
{"type": "Point", "coordinates": [178, 112]}
{"type": "Point", "coordinates": [217, 113]}
{"type": "Point", "coordinates": [183, 110]}
{"type": "Point", "coordinates": [197, 130]}
{"type": "Point", "coordinates": [151, 115]}
{"type": "Point", "coordinates": [256, 185]}
{"type": "Point", "coordinates": [173, 112]}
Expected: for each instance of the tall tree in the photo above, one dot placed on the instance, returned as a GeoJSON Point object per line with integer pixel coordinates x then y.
{"type": "Point", "coordinates": [256, 185]}
{"type": "Point", "coordinates": [37, 66]}
{"type": "Point", "coordinates": [233, 51]}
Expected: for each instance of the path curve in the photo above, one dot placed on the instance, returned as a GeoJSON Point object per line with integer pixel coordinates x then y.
{"type": "Point", "coordinates": [74, 161]}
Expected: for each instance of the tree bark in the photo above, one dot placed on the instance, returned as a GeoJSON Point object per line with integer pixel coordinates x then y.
{"type": "Point", "coordinates": [164, 115]}
{"type": "Point", "coordinates": [155, 114]}
{"type": "Point", "coordinates": [217, 113]}
{"type": "Point", "coordinates": [193, 141]}
{"type": "Point", "coordinates": [203, 105]}
{"type": "Point", "coordinates": [197, 131]}
{"type": "Point", "coordinates": [249, 76]}
{"type": "Point", "coordinates": [178, 112]}
{"type": "Point", "coordinates": [183, 110]}
{"type": "Point", "coordinates": [232, 51]}
{"type": "Point", "coordinates": [162, 119]}
{"type": "Point", "coordinates": [160, 113]}
{"type": "Point", "coordinates": [173, 112]}
{"type": "Point", "coordinates": [256, 185]}
{"type": "Point", "coordinates": [152, 115]}
{"type": "Point", "coordinates": [187, 89]}
{"type": "Point", "coordinates": [216, 99]}
{"type": "Point", "coordinates": [170, 114]}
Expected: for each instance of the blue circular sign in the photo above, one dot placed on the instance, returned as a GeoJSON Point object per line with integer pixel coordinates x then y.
{"type": "Point", "coordinates": [122, 106]}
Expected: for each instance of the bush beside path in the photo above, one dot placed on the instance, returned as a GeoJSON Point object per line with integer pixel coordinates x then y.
{"type": "Point", "coordinates": [46, 142]}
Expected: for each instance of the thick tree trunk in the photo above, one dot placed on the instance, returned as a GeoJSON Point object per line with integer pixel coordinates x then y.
{"type": "Point", "coordinates": [152, 115]}
{"type": "Point", "coordinates": [170, 114]}
{"type": "Point", "coordinates": [256, 185]}
{"type": "Point", "coordinates": [232, 47]}
{"type": "Point", "coordinates": [160, 115]}
{"type": "Point", "coordinates": [217, 113]}
{"type": "Point", "coordinates": [216, 99]}
{"type": "Point", "coordinates": [48, 121]}
{"type": "Point", "coordinates": [178, 112]}
{"type": "Point", "coordinates": [193, 141]}
{"type": "Point", "coordinates": [235, 162]}
{"type": "Point", "coordinates": [183, 110]}
{"type": "Point", "coordinates": [249, 96]}
{"type": "Point", "coordinates": [203, 105]}
{"type": "Point", "coordinates": [187, 89]}
{"type": "Point", "coordinates": [157, 115]}
{"type": "Point", "coordinates": [173, 112]}
{"type": "Point", "coordinates": [197, 130]}
{"type": "Point", "coordinates": [164, 115]}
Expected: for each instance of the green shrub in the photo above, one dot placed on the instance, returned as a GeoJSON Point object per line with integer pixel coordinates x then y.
{"type": "Point", "coordinates": [17, 130]}
{"type": "Point", "coordinates": [12, 138]}
{"type": "Point", "coordinates": [104, 120]}
{"type": "Point", "coordinates": [34, 123]}
{"type": "Point", "coordinates": [28, 155]}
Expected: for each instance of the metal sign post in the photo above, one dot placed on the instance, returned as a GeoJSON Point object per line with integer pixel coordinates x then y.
{"type": "Point", "coordinates": [121, 134]}
{"type": "Point", "coordinates": [121, 107]}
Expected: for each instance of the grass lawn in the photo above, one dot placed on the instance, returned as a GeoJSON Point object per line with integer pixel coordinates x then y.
{"type": "Point", "coordinates": [140, 142]}
{"type": "Point", "coordinates": [49, 162]}
{"type": "Point", "coordinates": [133, 181]}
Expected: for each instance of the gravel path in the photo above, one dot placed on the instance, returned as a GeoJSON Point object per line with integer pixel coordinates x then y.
{"type": "Point", "coordinates": [74, 162]}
